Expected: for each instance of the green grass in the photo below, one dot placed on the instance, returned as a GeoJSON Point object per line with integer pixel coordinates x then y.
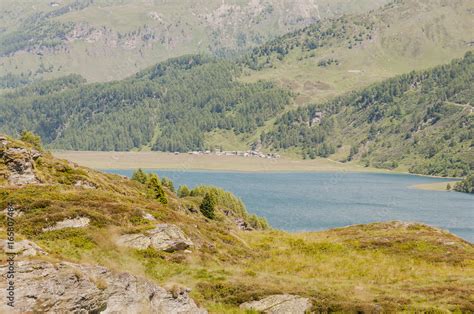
{"type": "Point", "coordinates": [390, 266]}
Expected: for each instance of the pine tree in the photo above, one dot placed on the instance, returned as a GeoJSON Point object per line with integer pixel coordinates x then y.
{"type": "Point", "coordinates": [32, 138]}
{"type": "Point", "coordinates": [183, 191]}
{"type": "Point", "coordinates": [208, 206]}
{"type": "Point", "coordinates": [168, 183]}
{"type": "Point", "coordinates": [156, 189]}
{"type": "Point", "coordinates": [139, 176]}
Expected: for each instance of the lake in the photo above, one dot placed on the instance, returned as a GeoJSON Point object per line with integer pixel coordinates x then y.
{"type": "Point", "coordinates": [317, 201]}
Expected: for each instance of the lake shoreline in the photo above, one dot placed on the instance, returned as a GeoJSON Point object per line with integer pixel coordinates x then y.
{"type": "Point", "coordinates": [213, 163]}
{"type": "Point", "coordinates": [190, 162]}
{"type": "Point", "coordinates": [436, 186]}
{"type": "Point", "coordinates": [325, 200]}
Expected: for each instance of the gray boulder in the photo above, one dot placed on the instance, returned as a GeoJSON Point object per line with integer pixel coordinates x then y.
{"type": "Point", "coordinates": [165, 237]}
{"type": "Point", "coordinates": [20, 163]}
{"type": "Point", "coordinates": [22, 248]}
{"type": "Point", "coordinates": [242, 224]}
{"type": "Point", "coordinates": [84, 184]}
{"type": "Point", "coordinates": [279, 304]}
{"type": "Point", "coordinates": [71, 288]}
{"type": "Point", "coordinates": [79, 222]}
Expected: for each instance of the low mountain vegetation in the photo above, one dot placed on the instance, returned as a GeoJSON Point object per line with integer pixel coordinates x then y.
{"type": "Point", "coordinates": [422, 120]}
{"type": "Point", "coordinates": [199, 102]}
{"type": "Point", "coordinates": [169, 107]}
{"type": "Point", "coordinates": [92, 37]}
{"type": "Point", "coordinates": [466, 185]}
{"type": "Point", "coordinates": [79, 215]}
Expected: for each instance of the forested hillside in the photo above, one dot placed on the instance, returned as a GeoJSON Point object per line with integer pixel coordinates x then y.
{"type": "Point", "coordinates": [422, 120]}
{"type": "Point", "coordinates": [104, 40]}
{"type": "Point", "coordinates": [335, 56]}
{"type": "Point", "coordinates": [168, 107]}
{"type": "Point", "coordinates": [307, 92]}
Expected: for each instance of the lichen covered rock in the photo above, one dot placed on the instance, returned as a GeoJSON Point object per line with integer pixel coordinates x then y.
{"type": "Point", "coordinates": [79, 222]}
{"type": "Point", "coordinates": [42, 287]}
{"type": "Point", "coordinates": [22, 248]}
{"type": "Point", "coordinates": [165, 237]}
{"type": "Point", "coordinates": [279, 304]}
{"type": "Point", "coordinates": [19, 162]}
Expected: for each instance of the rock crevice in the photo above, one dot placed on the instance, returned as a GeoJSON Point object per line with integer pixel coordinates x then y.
{"type": "Point", "coordinates": [165, 237]}
{"type": "Point", "coordinates": [73, 288]}
{"type": "Point", "coordinates": [19, 162]}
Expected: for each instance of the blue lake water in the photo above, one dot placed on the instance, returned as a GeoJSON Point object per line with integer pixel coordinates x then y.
{"type": "Point", "coordinates": [316, 201]}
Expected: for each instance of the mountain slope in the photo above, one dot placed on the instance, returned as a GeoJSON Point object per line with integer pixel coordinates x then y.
{"type": "Point", "coordinates": [421, 120]}
{"type": "Point", "coordinates": [81, 216]}
{"type": "Point", "coordinates": [91, 37]}
{"type": "Point", "coordinates": [339, 55]}
{"type": "Point", "coordinates": [169, 107]}
{"type": "Point", "coordinates": [401, 122]}
{"type": "Point", "coordinates": [196, 102]}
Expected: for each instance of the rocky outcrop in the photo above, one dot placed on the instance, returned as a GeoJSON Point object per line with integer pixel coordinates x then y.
{"type": "Point", "coordinates": [279, 304]}
{"type": "Point", "coordinates": [243, 225]}
{"type": "Point", "coordinates": [22, 248]}
{"type": "Point", "coordinates": [79, 222]}
{"type": "Point", "coordinates": [165, 237]}
{"type": "Point", "coordinates": [71, 288]}
{"type": "Point", "coordinates": [85, 184]}
{"type": "Point", "coordinates": [19, 162]}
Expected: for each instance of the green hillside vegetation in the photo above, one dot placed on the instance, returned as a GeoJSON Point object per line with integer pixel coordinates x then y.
{"type": "Point", "coordinates": [422, 119]}
{"type": "Point", "coordinates": [389, 267]}
{"type": "Point", "coordinates": [169, 107]}
{"type": "Point", "coordinates": [200, 102]}
{"type": "Point", "coordinates": [334, 56]}
{"type": "Point", "coordinates": [402, 122]}
{"type": "Point", "coordinates": [466, 185]}
{"type": "Point", "coordinates": [46, 39]}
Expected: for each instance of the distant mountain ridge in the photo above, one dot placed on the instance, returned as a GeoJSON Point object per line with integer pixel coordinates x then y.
{"type": "Point", "coordinates": [106, 40]}
{"type": "Point", "coordinates": [200, 102]}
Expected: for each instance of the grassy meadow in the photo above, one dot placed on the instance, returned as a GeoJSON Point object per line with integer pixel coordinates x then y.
{"type": "Point", "coordinates": [185, 161]}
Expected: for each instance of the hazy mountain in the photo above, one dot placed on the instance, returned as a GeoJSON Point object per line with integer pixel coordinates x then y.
{"type": "Point", "coordinates": [106, 40]}
{"type": "Point", "coordinates": [198, 102]}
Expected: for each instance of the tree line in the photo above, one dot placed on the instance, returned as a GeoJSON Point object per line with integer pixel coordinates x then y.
{"type": "Point", "coordinates": [168, 107]}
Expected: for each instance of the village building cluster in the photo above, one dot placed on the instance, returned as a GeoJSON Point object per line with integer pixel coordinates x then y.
{"type": "Point", "coordinates": [249, 153]}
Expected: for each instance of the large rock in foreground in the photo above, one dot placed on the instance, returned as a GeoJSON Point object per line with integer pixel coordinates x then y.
{"type": "Point", "coordinates": [166, 237]}
{"type": "Point", "coordinates": [79, 222]}
{"type": "Point", "coordinates": [71, 288]}
{"type": "Point", "coordinates": [279, 304]}
{"type": "Point", "coordinates": [19, 162]}
{"type": "Point", "coordinates": [22, 248]}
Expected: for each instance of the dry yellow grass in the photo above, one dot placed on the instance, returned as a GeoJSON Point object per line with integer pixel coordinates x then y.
{"type": "Point", "coordinates": [436, 186]}
{"type": "Point", "coordinates": [160, 160]}
{"type": "Point", "coordinates": [388, 267]}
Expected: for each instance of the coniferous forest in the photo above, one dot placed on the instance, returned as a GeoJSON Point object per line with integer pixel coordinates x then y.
{"type": "Point", "coordinates": [169, 106]}
{"type": "Point", "coordinates": [237, 156]}
{"type": "Point", "coordinates": [421, 119]}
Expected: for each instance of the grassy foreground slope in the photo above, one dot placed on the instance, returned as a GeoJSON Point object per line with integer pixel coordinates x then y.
{"type": "Point", "coordinates": [390, 266]}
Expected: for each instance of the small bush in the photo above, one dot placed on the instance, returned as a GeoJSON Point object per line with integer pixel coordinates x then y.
{"type": "Point", "coordinates": [31, 138]}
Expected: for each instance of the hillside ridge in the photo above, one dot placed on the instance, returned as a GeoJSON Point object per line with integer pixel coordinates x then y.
{"type": "Point", "coordinates": [226, 262]}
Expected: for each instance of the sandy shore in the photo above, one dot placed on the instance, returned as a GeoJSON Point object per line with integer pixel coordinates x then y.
{"type": "Point", "coordinates": [159, 160]}
{"type": "Point", "coordinates": [437, 186]}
